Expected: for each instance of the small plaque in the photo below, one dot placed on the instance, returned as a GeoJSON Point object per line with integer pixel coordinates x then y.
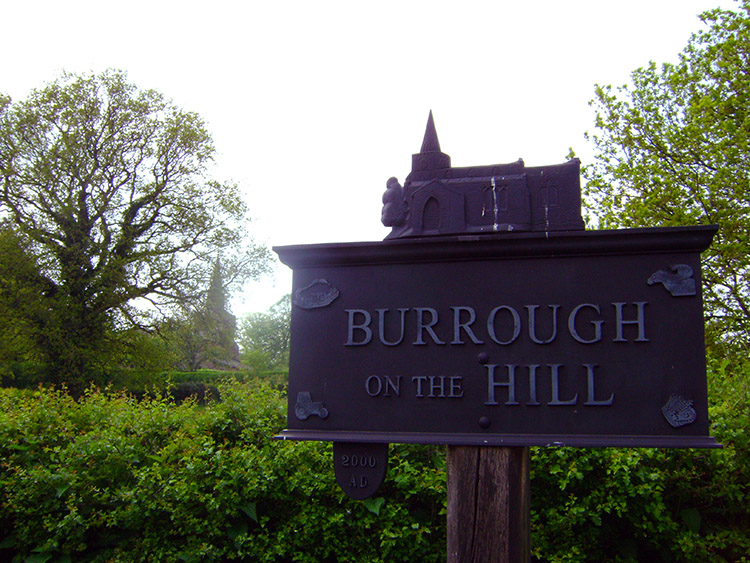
{"type": "Point", "coordinates": [360, 468]}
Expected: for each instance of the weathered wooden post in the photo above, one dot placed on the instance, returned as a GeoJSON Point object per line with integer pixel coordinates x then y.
{"type": "Point", "coordinates": [488, 504]}
{"type": "Point", "coordinates": [489, 320]}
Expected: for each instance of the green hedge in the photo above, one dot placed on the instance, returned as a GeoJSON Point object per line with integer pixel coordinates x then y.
{"type": "Point", "coordinates": [111, 478]}
{"type": "Point", "coordinates": [277, 379]}
{"type": "Point", "coordinates": [140, 382]}
{"type": "Point", "coordinates": [651, 504]}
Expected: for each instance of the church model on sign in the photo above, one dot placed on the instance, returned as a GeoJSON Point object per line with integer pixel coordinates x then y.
{"type": "Point", "coordinates": [437, 199]}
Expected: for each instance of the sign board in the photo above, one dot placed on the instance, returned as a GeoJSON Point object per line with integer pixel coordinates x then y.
{"type": "Point", "coordinates": [576, 338]}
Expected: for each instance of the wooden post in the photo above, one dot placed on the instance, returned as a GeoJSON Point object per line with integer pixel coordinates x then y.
{"type": "Point", "coordinates": [488, 504]}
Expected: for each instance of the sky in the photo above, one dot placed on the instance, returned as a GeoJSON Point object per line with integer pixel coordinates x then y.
{"type": "Point", "coordinates": [313, 105]}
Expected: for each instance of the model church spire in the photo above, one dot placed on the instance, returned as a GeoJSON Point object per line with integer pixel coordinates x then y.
{"type": "Point", "coordinates": [430, 157]}
{"type": "Point", "coordinates": [430, 142]}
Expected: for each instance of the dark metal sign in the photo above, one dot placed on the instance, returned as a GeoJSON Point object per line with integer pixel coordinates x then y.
{"type": "Point", "coordinates": [489, 317]}
{"type": "Point", "coordinates": [570, 338]}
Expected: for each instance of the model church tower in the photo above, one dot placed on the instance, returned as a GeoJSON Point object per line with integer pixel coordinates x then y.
{"type": "Point", "coordinates": [437, 199]}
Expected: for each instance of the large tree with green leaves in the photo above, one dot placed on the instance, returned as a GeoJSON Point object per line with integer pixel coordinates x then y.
{"type": "Point", "coordinates": [673, 148]}
{"type": "Point", "coordinates": [108, 188]}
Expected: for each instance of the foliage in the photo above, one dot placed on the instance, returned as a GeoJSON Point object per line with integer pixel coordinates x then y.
{"type": "Point", "coordinates": [204, 336]}
{"type": "Point", "coordinates": [21, 286]}
{"type": "Point", "coordinates": [21, 375]}
{"type": "Point", "coordinates": [198, 339]}
{"type": "Point", "coordinates": [110, 478]}
{"type": "Point", "coordinates": [264, 337]}
{"type": "Point", "coordinates": [107, 189]}
{"type": "Point", "coordinates": [648, 504]}
{"type": "Point", "coordinates": [276, 379]}
{"type": "Point", "coordinates": [673, 149]}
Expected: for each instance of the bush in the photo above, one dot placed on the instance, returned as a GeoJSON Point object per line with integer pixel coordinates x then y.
{"type": "Point", "coordinates": [22, 375]}
{"type": "Point", "coordinates": [29, 375]}
{"type": "Point", "coordinates": [651, 504]}
{"type": "Point", "coordinates": [141, 382]}
{"type": "Point", "coordinates": [110, 478]}
{"type": "Point", "coordinates": [196, 390]}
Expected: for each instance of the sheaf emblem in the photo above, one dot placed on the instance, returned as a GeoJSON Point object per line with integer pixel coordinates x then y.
{"type": "Point", "coordinates": [679, 411]}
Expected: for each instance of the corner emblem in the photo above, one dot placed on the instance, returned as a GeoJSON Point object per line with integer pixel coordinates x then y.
{"type": "Point", "coordinates": [678, 282]}
{"type": "Point", "coordinates": [319, 293]}
{"type": "Point", "coordinates": [679, 411]}
{"type": "Point", "coordinates": [305, 407]}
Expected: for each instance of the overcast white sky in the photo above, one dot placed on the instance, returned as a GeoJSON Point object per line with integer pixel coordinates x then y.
{"type": "Point", "coordinates": [313, 105]}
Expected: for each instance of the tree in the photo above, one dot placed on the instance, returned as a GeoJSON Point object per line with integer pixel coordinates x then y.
{"type": "Point", "coordinates": [185, 340]}
{"type": "Point", "coordinates": [264, 337]}
{"type": "Point", "coordinates": [21, 290]}
{"type": "Point", "coordinates": [673, 148]}
{"type": "Point", "coordinates": [109, 187]}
